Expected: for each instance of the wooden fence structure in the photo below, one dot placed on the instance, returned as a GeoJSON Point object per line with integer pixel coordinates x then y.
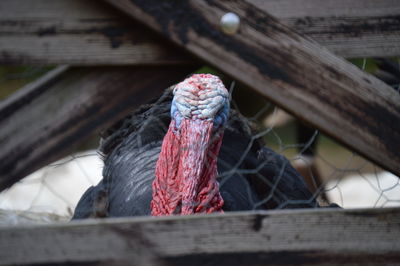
{"type": "Point", "coordinates": [289, 51]}
{"type": "Point", "coordinates": [310, 237]}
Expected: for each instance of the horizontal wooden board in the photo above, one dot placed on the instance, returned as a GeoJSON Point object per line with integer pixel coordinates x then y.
{"type": "Point", "coordinates": [44, 120]}
{"type": "Point", "coordinates": [349, 28]}
{"type": "Point", "coordinates": [78, 32]}
{"type": "Point", "coordinates": [88, 32]}
{"type": "Point", "coordinates": [297, 237]}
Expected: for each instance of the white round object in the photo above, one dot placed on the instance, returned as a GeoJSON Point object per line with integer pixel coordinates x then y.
{"type": "Point", "coordinates": [230, 23]}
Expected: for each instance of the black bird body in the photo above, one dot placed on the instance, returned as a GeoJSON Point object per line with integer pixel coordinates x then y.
{"type": "Point", "coordinates": [251, 176]}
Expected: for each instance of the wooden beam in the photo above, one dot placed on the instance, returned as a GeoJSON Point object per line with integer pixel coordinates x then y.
{"type": "Point", "coordinates": [296, 73]}
{"type": "Point", "coordinates": [78, 32]}
{"type": "Point", "coordinates": [359, 28]}
{"type": "Point", "coordinates": [45, 119]}
{"type": "Point", "coordinates": [301, 237]}
{"type": "Point", "coordinates": [89, 33]}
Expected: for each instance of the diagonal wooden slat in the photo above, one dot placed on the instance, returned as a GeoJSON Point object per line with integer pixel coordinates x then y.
{"type": "Point", "coordinates": [295, 237]}
{"type": "Point", "coordinates": [88, 32]}
{"type": "Point", "coordinates": [47, 118]}
{"type": "Point", "coordinates": [293, 71]}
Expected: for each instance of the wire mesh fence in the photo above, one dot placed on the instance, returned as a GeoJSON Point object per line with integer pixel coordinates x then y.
{"type": "Point", "coordinates": [332, 173]}
{"type": "Point", "coordinates": [13, 78]}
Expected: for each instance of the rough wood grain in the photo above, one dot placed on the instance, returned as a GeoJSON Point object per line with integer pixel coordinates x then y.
{"type": "Point", "coordinates": [78, 32]}
{"type": "Point", "coordinates": [87, 32]}
{"type": "Point", "coordinates": [45, 119]}
{"type": "Point", "coordinates": [296, 73]}
{"type": "Point", "coordinates": [296, 237]}
{"type": "Point", "coordinates": [360, 28]}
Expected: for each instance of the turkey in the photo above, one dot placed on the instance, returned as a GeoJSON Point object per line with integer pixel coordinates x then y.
{"type": "Point", "coordinates": [189, 153]}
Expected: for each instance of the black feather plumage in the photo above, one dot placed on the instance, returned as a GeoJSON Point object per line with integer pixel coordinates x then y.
{"type": "Point", "coordinates": [251, 176]}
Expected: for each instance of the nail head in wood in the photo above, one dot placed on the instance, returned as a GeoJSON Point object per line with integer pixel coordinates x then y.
{"type": "Point", "coordinates": [230, 23]}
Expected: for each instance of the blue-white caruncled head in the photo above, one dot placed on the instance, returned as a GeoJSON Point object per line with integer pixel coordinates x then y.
{"type": "Point", "coordinates": [201, 96]}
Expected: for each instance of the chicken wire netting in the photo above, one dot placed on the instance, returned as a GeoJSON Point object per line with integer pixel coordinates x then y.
{"type": "Point", "coordinates": [333, 173]}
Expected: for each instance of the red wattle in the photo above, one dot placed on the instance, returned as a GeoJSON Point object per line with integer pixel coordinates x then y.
{"type": "Point", "coordinates": [186, 170]}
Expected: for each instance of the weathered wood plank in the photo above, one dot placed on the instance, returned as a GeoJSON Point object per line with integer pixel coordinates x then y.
{"type": "Point", "coordinates": [45, 119]}
{"type": "Point", "coordinates": [77, 32]}
{"type": "Point", "coordinates": [296, 73]}
{"type": "Point", "coordinates": [300, 237]}
{"type": "Point", "coordinates": [361, 28]}
{"type": "Point", "coordinates": [87, 32]}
